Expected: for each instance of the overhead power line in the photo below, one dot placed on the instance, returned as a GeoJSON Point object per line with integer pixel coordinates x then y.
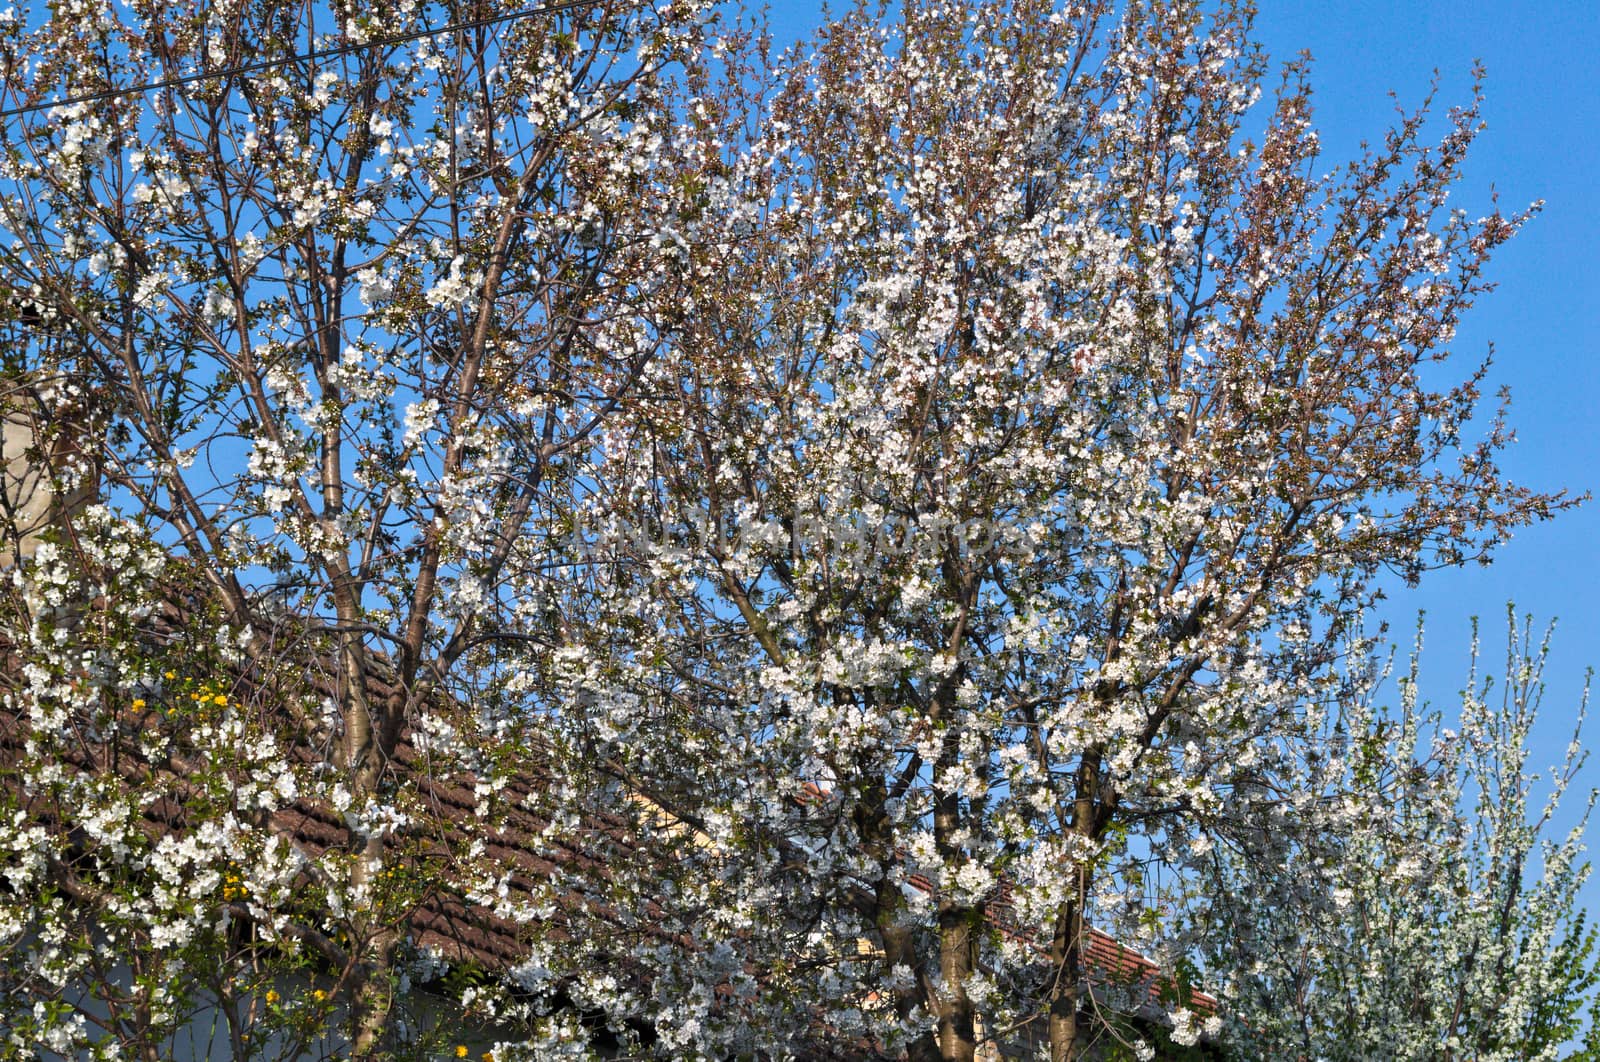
{"type": "Point", "coordinates": [555, 8]}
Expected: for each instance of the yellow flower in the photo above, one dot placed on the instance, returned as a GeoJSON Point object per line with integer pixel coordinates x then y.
{"type": "Point", "coordinates": [318, 995]}
{"type": "Point", "coordinates": [138, 704]}
{"type": "Point", "coordinates": [220, 699]}
{"type": "Point", "coordinates": [488, 1056]}
{"type": "Point", "coordinates": [172, 674]}
{"type": "Point", "coordinates": [461, 1050]}
{"type": "Point", "coordinates": [272, 996]}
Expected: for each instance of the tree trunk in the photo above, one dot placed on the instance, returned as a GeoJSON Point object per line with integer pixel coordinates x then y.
{"type": "Point", "coordinates": [899, 949]}
{"type": "Point", "coordinates": [372, 997]}
{"type": "Point", "coordinates": [369, 739]}
{"type": "Point", "coordinates": [1067, 955]}
{"type": "Point", "coordinates": [958, 1040]}
{"type": "Point", "coordinates": [1089, 813]}
{"type": "Point", "coordinates": [958, 950]}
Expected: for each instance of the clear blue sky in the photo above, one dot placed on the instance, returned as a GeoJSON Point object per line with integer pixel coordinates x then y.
{"type": "Point", "coordinates": [1542, 142]}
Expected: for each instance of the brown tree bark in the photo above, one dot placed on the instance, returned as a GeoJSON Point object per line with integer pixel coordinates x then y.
{"type": "Point", "coordinates": [1068, 989]}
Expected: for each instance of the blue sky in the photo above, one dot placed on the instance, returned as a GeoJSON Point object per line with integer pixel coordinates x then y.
{"type": "Point", "coordinates": [1543, 113]}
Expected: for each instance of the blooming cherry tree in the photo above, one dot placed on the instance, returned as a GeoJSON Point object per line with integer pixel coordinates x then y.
{"type": "Point", "coordinates": [1038, 423]}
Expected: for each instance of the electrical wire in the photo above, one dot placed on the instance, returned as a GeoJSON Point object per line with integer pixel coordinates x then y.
{"type": "Point", "coordinates": [308, 56]}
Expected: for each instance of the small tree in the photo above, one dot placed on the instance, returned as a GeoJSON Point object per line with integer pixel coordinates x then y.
{"type": "Point", "coordinates": [1444, 924]}
{"type": "Point", "coordinates": [333, 274]}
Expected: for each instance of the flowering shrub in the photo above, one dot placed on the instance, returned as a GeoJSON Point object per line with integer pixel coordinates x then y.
{"type": "Point", "coordinates": [1444, 923]}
